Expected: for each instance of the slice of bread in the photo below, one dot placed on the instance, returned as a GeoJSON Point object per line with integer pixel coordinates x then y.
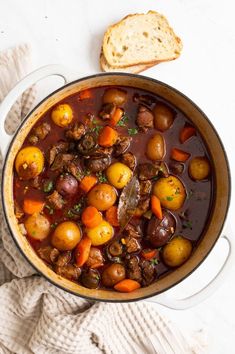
{"type": "Point", "coordinates": [140, 39]}
{"type": "Point", "coordinates": [134, 69]}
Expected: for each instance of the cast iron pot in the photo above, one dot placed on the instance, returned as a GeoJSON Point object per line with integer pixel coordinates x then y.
{"type": "Point", "coordinates": [10, 145]}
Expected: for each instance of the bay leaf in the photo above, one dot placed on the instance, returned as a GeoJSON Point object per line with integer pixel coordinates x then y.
{"type": "Point", "coordinates": [128, 202]}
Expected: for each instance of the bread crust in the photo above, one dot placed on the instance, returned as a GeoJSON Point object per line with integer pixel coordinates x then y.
{"type": "Point", "coordinates": [143, 62]}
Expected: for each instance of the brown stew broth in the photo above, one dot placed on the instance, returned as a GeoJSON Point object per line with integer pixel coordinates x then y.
{"type": "Point", "coordinates": [199, 194]}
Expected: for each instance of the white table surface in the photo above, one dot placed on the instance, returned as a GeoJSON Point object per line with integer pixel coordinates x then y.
{"type": "Point", "coordinates": [70, 33]}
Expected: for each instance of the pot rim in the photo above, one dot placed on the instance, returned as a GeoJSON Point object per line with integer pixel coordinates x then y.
{"type": "Point", "coordinates": [135, 76]}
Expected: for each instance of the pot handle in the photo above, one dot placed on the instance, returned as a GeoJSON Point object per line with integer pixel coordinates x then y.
{"type": "Point", "coordinates": [210, 288]}
{"type": "Point", "coordinates": [18, 89]}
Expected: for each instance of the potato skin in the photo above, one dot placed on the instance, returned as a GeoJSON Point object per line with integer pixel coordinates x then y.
{"type": "Point", "coordinates": [24, 160]}
{"type": "Point", "coordinates": [156, 148]}
{"type": "Point", "coordinates": [66, 236]}
{"type": "Point", "coordinates": [113, 274]}
{"type": "Point", "coordinates": [102, 196]}
{"type": "Point", "coordinates": [115, 96]}
{"type": "Point", "coordinates": [171, 192]}
{"type": "Point", "coordinates": [118, 175]}
{"type": "Point", "coordinates": [37, 226]}
{"type": "Point", "coordinates": [163, 117]}
{"type": "Point", "coordinates": [62, 115]}
{"type": "Point", "coordinates": [100, 234]}
{"type": "Point", "coordinates": [199, 168]}
{"type": "Point", "coordinates": [177, 251]}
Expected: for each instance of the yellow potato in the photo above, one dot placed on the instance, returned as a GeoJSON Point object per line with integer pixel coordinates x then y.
{"type": "Point", "coordinates": [170, 191]}
{"type": "Point", "coordinates": [156, 148]}
{"type": "Point", "coordinates": [37, 226]}
{"type": "Point", "coordinates": [100, 234]}
{"type": "Point", "coordinates": [66, 236]}
{"type": "Point", "coordinates": [29, 162]}
{"type": "Point", "coordinates": [199, 168]}
{"type": "Point", "coordinates": [102, 196]}
{"type": "Point", "coordinates": [62, 115]}
{"type": "Point", "coordinates": [177, 251]}
{"type": "Point", "coordinates": [118, 175]}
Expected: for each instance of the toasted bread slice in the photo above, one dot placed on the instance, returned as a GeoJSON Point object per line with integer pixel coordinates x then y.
{"type": "Point", "coordinates": [134, 69]}
{"type": "Point", "coordinates": [140, 39]}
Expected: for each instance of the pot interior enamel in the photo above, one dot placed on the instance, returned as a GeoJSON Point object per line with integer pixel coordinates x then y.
{"type": "Point", "coordinates": [221, 184]}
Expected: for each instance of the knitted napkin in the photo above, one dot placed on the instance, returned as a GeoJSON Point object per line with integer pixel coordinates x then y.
{"type": "Point", "coordinates": [37, 317]}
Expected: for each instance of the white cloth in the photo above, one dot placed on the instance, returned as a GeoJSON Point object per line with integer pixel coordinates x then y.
{"type": "Point", "coordinates": [36, 317]}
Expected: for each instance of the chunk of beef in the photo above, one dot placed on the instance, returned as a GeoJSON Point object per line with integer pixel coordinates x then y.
{"type": "Point", "coordinates": [87, 144]}
{"type": "Point", "coordinates": [64, 258]}
{"type": "Point", "coordinates": [61, 161]}
{"type": "Point", "coordinates": [149, 170]}
{"type": "Point", "coordinates": [145, 99]}
{"type": "Point", "coordinates": [129, 159]}
{"type": "Point", "coordinates": [75, 168]}
{"type": "Point", "coordinates": [48, 254]}
{"type": "Point", "coordinates": [100, 151]}
{"type": "Point", "coordinates": [107, 111]}
{"type": "Point", "coordinates": [56, 200]}
{"type": "Point", "coordinates": [145, 187]}
{"type": "Point", "coordinates": [122, 144]}
{"type": "Point", "coordinates": [98, 165]}
{"type": "Point", "coordinates": [36, 182]}
{"type": "Point", "coordinates": [42, 130]}
{"type": "Point", "coordinates": [177, 168]}
{"type": "Point", "coordinates": [95, 258]}
{"type": "Point", "coordinates": [61, 146]}
{"type": "Point", "coordinates": [132, 231]}
{"type": "Point", "coordinates": [33, 139]}
{"type": "Point", "coordinates": [160, 231]}
{"type": "Point", "coordinates": [132, 244]}
{"type": "Point", "coordinates": [133, 269]}
{"type": "Point", "coordinates": [143, 205]}
{"type": "Point", "coordinates": [69, 271]}
{"type": "Point", "coordinates": [76, 132]}
{"type": "Point", "coordinates": [148, 272]}
{"type": "Point", "coordinates": [144, 118]}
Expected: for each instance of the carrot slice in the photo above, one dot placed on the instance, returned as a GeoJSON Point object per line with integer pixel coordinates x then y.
{"type": "Point", "coordinates": [85, 95]}
{"type": "Point", "coordinates": [156, 207]}
{"type": "Point", "coordinates": [82, 251]}
{"type": "Point", "coordinates": [111, 216]}
{"type": "Point", "coordinates": [91, 217]}
{"type": "Point", "coordinates": [31, 206]}
{"type": "Point", "coordinates": [87, 183]}
{"type": "Point", "coordinates": [116, 116]}
{"type": "Point", "coordinates": [187, 132]}
{"type": "Point", "coordinates": [108, 137]}
{"type": "Point", "coordinates": [149, 254]}
{"type": "Point", "coordinates": [127, 285]}
{"type": "Point", "coordinates": [179, 155]}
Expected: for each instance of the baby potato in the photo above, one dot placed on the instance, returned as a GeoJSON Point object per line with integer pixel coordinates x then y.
{"type": "Point", "coordinates": [29, 162]}
{"type": "Point", "coordinates": [163, 117]}
{"type": "Point", "coordinates": [102, 196]}
{"type": "Point", "coordinates": [66, 236]}
{"type": "Point", "coordinates": [199, 168]}
{"type": "Point", "coordinates": [115, 96]}
{"type": "Point", "coordinates": [62, 115]}
{"type": "Point", "coordinates": [156, 147]}
{"type": "Point", "coordinates": [100, 234]}
{"type": "Point", "coordinates": [37, 226]}
{"type": "Point", "coordinates": [118, 175]}
{"type": "Point", "coordinates": [170, 191]}
{"type": "Point", "coordinates": [177, 251]}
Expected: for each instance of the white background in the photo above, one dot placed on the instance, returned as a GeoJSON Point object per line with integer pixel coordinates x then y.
{"type": "Point", "coordinates": [70, 32]}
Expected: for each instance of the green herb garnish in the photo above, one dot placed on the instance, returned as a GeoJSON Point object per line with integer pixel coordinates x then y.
{"type": "Point", "coordinates": [70, 214]}
{"type": "Point", "coordinates": [123, 121]}
{"type": "Point", "coordinates": [132, 131]}
{"type": "Point", "coordinates": [101, 177]}
{"type": "Point", "coordinates": [187, 224]}
{"type": "Point", "coordinates": [77, 207]}
{"type": "Point", "coordinates": [53, 226]}
{"type": "Point", "coordinates": [169, 198]}
{"type": "Point", "coordinates": [154, 261]}
{"type": "Point", "coordinates": [47, 186]}
{"type": "Point", "coordinates": [97, 129]}
{"type": "Point", "coordinates": [50, 209]}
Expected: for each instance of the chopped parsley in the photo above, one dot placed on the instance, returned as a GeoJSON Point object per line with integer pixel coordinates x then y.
{"type": "Point", "coordinates": [132, 131]}
{"type": "Point", "coordinates": [187, 224]}
{"type": "Point", "coordinates": [50, 210]}
{"type": "Point", "coordinates": [70, 214]}
{"type": "Point", "coordinates": [101, 177]}
{"type": "Point", "coordinates": [169, 198]}
{"type": "Point", "coordinates": [123, 121]}
{"type": "Point", "coordinates": [53, 226]}
{"type": "Point", "coordinates": [47, 186]}
{"type": "Point", "coordinates": [77, 207]}
{"type": "Point", "coordinates": [154, 261]}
